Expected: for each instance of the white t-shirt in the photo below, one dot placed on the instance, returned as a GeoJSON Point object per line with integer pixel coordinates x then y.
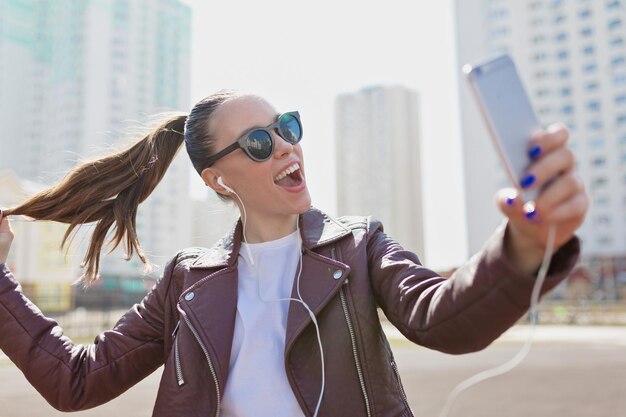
{"type": "Point", "coordinates": [257, 384]}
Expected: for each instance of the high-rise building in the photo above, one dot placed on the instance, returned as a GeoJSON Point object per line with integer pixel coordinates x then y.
{"type": "Point", "coordinates": [571, 55]}
{"type": "Point", "coordinates": [378, 161]}
{"type": "Point", "coordinates": [76, 75]}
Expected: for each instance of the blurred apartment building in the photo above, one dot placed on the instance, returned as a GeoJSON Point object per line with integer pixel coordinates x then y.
{"type": "Point", "coordinates": [75, 78]}
{"type": "Point", "coordinates": [378, 161]}
{"type": "Point", "coordinates": [571, 55]}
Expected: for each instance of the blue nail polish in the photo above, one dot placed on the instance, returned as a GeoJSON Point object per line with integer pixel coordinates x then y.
{"type": "Point", "coordinates": [534, 152]}
{"type": "Point", "coordinates": [527, 181]}
{"type": "Point", "coordinates": [510, 201]}
{"type": "Point", "coordinates": [530, 215]}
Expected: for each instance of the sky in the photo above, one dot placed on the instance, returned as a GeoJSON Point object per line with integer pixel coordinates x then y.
{"type": "Point", "coordinates": [301, 55]}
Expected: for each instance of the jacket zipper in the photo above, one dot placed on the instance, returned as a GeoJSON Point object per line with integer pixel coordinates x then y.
{"type": "Point", "coordinates": [359, 371]}
{"type": "Point", "coordinates": [208, 359]}
{"type": "Point", "coordinates": [179, 369]}
{"type": "Point", "coordinates": [395, 370]}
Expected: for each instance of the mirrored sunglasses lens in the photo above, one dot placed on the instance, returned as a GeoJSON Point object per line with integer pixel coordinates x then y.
{"type": "Point", "coordinates": [259, 144]}
{"type": "Point", "coordinates": [290, 128]}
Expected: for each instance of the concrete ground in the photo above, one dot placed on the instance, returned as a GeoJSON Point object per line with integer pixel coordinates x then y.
{"type": "Point", "coordinates": [570, 371]}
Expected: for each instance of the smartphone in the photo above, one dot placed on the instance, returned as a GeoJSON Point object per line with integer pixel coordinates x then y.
{"type": "Point", "coordinates": [507, 112]}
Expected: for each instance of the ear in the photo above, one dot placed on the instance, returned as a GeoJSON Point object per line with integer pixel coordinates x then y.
{"type": "Point", "coordinates": [210, 176]}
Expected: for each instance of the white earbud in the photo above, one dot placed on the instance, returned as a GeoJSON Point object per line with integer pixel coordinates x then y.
{"type": "Point", "coordinates": [220, 181]}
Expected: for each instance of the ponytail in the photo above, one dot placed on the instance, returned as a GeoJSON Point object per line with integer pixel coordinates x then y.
{"type": "Point", "coordinates": [109, 190]}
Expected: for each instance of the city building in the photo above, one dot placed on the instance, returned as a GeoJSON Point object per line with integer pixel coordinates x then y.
{"type": "Point", "coordinates": [80, 77]}
{"type": "Point", "coordinates": [378, 160]}
{"type": "Point", "coordinates": [571, 56]}
{"type": "Point", "coordinates": [35, 256]}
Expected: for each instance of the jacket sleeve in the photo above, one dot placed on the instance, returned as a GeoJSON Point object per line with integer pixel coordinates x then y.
{"type": "Point", "coordinates": [75, 377]}
{"type": "Point", "coordinates": [466, 312]}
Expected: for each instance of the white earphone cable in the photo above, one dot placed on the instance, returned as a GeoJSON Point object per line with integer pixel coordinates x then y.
{"type": "Point", "coordinates": [517, 359]}
{"type": "Point", "coordinates": [299, 299]}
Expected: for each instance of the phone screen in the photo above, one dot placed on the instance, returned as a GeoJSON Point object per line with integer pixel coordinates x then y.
{"type": "Point", "coordinates": [508, 113]}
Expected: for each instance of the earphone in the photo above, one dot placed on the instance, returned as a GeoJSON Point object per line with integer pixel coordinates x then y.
{"type": "Point", "coordinates": [220, 181]}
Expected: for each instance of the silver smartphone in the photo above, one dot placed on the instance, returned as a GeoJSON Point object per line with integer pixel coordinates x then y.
{"type": "Point", "coordinates": [507, 112]}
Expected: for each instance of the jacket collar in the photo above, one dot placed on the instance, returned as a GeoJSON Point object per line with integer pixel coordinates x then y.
{"type": "Point", "coordinates": [316, 228]}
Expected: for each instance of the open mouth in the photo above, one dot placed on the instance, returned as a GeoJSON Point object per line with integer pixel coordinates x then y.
{"type": "Point", "coordinates": [290, 177]}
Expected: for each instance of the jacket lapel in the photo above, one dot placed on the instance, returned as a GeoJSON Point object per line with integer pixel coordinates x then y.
{"type": "Point", "coordinates": [214, 303]}
{"type": "Point", "coordinates": [321, 279]}
{"type": "Point", "coordinates": [211, 300]}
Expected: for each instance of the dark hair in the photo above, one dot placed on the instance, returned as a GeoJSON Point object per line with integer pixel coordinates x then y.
{"type": "Point", "coordinates": [110, 189]}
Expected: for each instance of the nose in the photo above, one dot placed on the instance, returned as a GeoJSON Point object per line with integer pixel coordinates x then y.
{"type": "Point", "coordinates": [282, 148]}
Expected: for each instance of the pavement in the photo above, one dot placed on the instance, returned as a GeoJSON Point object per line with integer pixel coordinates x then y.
{"type": "Point", "coordinates": [604, 335]}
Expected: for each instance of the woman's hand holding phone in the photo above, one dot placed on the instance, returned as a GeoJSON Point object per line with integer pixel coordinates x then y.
{"type": "Point", "coordinates": [6, 237]}
{"type": "Point", "coordinates": [562, 200]}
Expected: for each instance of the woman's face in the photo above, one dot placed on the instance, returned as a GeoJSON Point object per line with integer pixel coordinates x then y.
{"type": "Point", "coordinates": [262, 186]}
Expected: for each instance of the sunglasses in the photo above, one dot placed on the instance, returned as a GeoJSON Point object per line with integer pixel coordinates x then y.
{"type": "Point", "coordinates": [258, 143]}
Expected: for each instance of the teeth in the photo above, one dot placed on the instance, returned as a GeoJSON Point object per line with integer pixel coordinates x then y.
{"type": "Point", "coordinates": [286, 172]}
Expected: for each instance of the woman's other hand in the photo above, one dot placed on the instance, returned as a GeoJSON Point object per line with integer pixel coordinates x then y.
{"type": "Point", "coordinates": [6, 237]}
{"type": "Point", "coordinates": [562, 201]}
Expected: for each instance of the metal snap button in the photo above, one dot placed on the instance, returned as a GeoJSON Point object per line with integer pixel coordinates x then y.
{"type": "Point", "coordinates": [338, 274]}
{"type": "Point", "coordinates": [189, 296]}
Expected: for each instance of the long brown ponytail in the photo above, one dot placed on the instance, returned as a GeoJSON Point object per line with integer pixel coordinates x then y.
{"type": "Point", "coordinates": [108, 190]}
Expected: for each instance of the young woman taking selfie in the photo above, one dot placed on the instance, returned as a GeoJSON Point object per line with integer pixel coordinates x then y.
{"type": "Point", "coordinates": [279, 317]}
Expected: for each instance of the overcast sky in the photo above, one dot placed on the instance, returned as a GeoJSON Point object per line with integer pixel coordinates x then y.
{"type": "Point", "coordinates": [301, 55]}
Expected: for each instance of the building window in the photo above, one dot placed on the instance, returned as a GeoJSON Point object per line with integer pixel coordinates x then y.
{"type": "Point", "coordinates": [594, 125]}
{"type": "Point", "coordinates": [571, 126]}
{"type": "Point", "coordinates": [619, 80]}
{"type": "Point", "coordinates": [588, 50]}
{"type": "Point", "coordinates": [584, 13]}
{"type": "Point", "coordinates": [542, 92]}
{"type": "Point", "coordinates": [544, 111]}
{"type": "Point", "coordinates": [602, 200]}
{"type": "Point", "coordinates": [620, 100]}
{"type": "Point", "coordinates": [539, 39]}
{"type": "Point", "coordinates": [614, 5]}
{"type": "Point", "coordinates": [616, 42]}
{"type": "Point", "coordinates": [621, 120]}
{"type": "Point", "coordinates": [614, 24]}
{"type": "Point", "coordinates": [586, 32]}
{"type": "Point", "coordinates": [593, 105]}
{"type": "Point", "coordinates": [567, 109]}
{"type": "Point", "coordinates": [617, 61]}
{"type": "Point", "coordinates": [498, 14]}
{"type": "Point", "coordinates": [591, 86]}
{"type": "Point", "coordinates": [562, 55]}
{"type": "Point", "coordinates": [598, 182]}
{"type": "Point", "coordinates": [540, 56]}
{"type": "Point", "coordinates": [564, 73]}
{"type": "Point", "coordinates": [498, 32]}
{"type": "Point", "coordinates": [566, 92]}
{"type": "Point", "coordinates": [590, 68]}
{"type": "Point", "coordinates": [560, 18]}
{"type": "Point", "coordinates": [597, 143]}
{"type": "Point", "coordinates": [598, 162]}
{"type": "Point", "coordinates": [561, 37]}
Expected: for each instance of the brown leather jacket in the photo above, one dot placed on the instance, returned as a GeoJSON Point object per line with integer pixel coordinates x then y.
{"type": "Point", "coordinates": [349, 268]}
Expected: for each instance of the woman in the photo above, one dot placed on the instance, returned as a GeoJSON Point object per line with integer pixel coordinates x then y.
{"type": "Point", "coordinates": [230, 346]}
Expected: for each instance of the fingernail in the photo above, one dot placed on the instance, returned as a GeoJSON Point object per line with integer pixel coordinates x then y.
{"type": "Point", "coordinates": [510, 201]}
{"type": "Point", "coordinates": [528, 181]}
{"type": "Point", "coordinates": [534, 152]}
{"type": "Point", "coordinates": [531, 214]}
